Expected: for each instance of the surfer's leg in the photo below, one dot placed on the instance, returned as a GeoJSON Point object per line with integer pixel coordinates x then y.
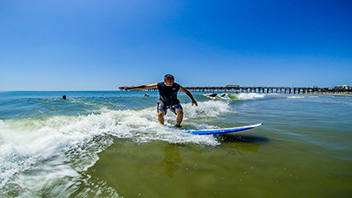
{"type": "Point", "coordinates": [179, 113]}
{"type": "Point", "coordinates": [177, 109]}
{"type": "Point", "coordinates": [161, 117]}
{"type": "Point", "coordinates": [161, 108]}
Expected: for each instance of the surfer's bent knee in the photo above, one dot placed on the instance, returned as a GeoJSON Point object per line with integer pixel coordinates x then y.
{"type": "Point", "coordinates": [161, 113]}
{"type": "Point", "coordinates": [179, 112]}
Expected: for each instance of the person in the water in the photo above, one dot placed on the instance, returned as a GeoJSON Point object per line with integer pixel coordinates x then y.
{"type": "Point", "coordinates": [168, 97]}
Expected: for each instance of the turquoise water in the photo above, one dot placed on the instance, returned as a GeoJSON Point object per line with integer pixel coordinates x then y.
{"type": "Point", "coordinates": [110, 144]}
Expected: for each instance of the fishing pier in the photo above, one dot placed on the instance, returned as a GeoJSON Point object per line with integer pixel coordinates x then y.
{"type": "Point", "coordinates": [239, 89]}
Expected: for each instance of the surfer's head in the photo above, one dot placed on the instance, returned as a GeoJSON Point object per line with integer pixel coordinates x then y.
{"type": "Point", "coordinates": [169, 80]}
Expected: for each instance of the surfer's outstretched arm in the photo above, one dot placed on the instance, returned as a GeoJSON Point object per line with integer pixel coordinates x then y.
{"type": "Point", "coordinates": [150, 86]}
{"type": "Point", "coordinates": [184, 90]}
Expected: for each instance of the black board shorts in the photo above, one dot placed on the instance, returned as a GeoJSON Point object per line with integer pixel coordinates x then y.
{"type": "Point", "coordinates": [163, 108]}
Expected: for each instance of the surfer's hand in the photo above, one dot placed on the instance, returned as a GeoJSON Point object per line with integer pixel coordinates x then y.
{"type": "Point", "coordinates": [194, 102]}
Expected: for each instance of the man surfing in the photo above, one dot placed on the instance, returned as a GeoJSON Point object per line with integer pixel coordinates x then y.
{"type": "Point", "coordinates": [168, 97]}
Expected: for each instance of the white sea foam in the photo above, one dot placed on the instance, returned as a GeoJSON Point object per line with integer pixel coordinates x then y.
{"type": "Point", "coordinates": [295, 97]}
{"type": "Point", "coordinates": [207, 109]}
{"type": "Point", "coordinates": [36, 153]}
{"type": "Point", "coordinates": [250, 96]}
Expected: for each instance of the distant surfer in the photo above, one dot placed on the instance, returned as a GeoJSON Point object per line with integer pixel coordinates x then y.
{"type": "Point", "coordinates": [168, 97]}
{"type": "Point", "coordinates": [63, 97]}
{"type": "Point", "coordinates": [213, 94]}
{"type": "Point", "coordinates": [145, 95]}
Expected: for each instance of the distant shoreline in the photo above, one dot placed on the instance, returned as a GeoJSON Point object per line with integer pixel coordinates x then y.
{"type": "Point", "coordinates": [335, 94]}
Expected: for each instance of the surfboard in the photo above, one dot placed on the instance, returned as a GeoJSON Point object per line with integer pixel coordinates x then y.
{"type": "Point", "coordinates": [222, 131]}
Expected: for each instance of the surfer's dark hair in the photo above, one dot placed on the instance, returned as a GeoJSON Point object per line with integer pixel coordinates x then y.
{"type": "Point", "coordinates": [168, 77]}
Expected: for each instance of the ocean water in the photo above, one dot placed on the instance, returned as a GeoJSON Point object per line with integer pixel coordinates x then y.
{"type": "Point", "coordinates": [110, 144]}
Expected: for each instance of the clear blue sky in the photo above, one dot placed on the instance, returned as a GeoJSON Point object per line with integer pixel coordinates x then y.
{"type": "Point", "coordinates": [101, 45]}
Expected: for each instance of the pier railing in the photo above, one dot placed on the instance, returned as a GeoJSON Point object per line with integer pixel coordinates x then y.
{"type": "Point", "coordinates": [282, 90]}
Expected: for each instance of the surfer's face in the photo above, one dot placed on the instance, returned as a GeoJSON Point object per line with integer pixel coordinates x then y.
{"type": "Point", "coordinates": [169, 82]}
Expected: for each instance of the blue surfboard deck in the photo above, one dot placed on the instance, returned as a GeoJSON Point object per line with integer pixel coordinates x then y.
{"type": "Point", "coordinates": [222, 131]}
